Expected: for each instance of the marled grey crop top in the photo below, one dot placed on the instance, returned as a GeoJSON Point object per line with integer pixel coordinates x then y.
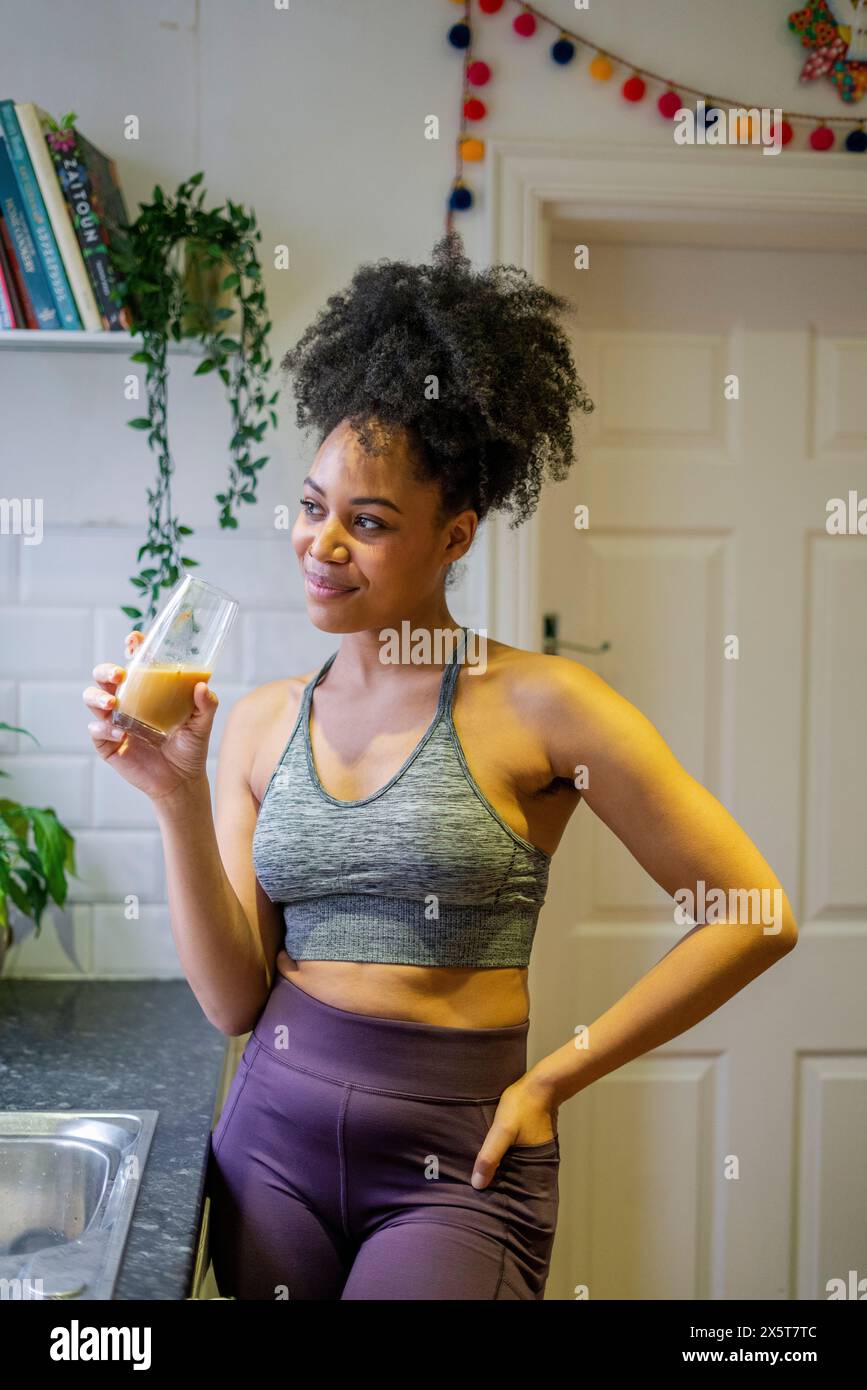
{"type": "Point", "coordinates": [422, 872]}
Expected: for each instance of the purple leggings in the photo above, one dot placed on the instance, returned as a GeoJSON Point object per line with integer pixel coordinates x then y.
{"type": "Point", "coordinates": [340, 1166]}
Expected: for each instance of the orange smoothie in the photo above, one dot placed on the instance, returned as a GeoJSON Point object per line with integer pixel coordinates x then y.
{"type": "Point", "coordinates": [160, 696]}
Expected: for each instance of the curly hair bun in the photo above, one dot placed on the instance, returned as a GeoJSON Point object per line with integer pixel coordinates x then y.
{"type": "Point", "coordinates": [473, 365]}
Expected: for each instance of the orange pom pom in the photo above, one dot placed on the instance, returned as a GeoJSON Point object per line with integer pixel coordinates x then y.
{"type": "Point", "coordinates": [472, 150]}
{"type": "Point", "coordinates": [601, 68]}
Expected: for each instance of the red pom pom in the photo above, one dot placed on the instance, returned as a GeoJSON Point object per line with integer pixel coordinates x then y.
{"type": "Point", "coordinates": [634, 88]}
{"type": "Point", "coordinates": [669, 104]}
{"type": "Point", "coordinates": [822, 138]}
{"type": "Point", "coordinates": [474, 109]}
{"type": "Point", "coordinates": [786, 132]}
{"type": "Point", "coordinates": [490, 6]}
{"type": "Point", "coordinates": [525, 24]}
{"type": "Point", "coordinates": [478, 73]}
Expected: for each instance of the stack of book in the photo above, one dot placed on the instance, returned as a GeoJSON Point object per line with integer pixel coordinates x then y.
{"type": "Point", "coordinates": [62, 217]}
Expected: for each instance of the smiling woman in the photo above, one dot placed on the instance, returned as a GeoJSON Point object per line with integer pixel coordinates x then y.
{"type": "Point", "coordinates": [367, 895]}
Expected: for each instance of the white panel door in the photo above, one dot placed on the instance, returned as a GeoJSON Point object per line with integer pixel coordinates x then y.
{"type": "Point", "coordinates": [729, 1163]}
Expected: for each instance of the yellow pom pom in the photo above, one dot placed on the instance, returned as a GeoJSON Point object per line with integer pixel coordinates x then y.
{"type": "Point", "coordinates": [601, 68]}
{"type": "Point", "coordinates": [473, 150]}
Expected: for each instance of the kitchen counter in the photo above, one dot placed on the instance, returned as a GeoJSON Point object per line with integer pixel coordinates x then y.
{"type": "Point", "coordinates": [125, 1045]}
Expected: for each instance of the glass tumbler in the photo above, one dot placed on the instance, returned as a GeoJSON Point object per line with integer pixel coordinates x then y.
{"type": "Point", "coordinates": [180, 648]}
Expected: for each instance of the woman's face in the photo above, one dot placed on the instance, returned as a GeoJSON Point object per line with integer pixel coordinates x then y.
{"type": "Point", "coordinates": [368, 538]}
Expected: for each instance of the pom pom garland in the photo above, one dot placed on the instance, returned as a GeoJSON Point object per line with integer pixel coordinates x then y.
{"type": "Point", "coordinates": [670, 104]}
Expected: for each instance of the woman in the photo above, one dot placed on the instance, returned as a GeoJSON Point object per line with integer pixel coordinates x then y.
{"type": "Point", "coordinates": [366, 899]}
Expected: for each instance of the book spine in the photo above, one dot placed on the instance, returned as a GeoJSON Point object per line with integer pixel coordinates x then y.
{"type": "Point", "coordinates": [7, 312]}
{"type": "Point", "coordinates": [24, 315]}
{"type": "Point", "coordinates": [18, 319]}
{"type": "Point", "coordinates": [30, 119]}
{"type": "Point", "coordinates": [37, 216]}
{"type": "Point", "coordinates": [107, 202]}
{"type": "Point", "coordinates": [33, 277]}
{"type": "Point", "coordinates": [75, 183]}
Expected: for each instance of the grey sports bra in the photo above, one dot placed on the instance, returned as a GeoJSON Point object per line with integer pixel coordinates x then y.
{"type": "Point", "coordinates": [422, 872]}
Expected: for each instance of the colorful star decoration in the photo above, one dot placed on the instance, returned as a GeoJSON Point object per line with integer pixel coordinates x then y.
{"type": "Point", "coordinates": [836, 33]}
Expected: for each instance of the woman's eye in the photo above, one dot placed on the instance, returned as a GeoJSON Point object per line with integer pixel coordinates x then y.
{"type": "Point", "coordinates": [308, 502]}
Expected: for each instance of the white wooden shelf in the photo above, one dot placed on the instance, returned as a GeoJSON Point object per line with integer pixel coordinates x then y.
{"type": "Point", "coordinates": [77, 340]}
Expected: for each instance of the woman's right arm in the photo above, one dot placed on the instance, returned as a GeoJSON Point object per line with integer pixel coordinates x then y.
{"type": "Point", "coordinates": [226, 930]}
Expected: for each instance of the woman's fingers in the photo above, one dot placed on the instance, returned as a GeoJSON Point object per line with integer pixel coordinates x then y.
{"type": "Point", "coordinates": [103, 731]}
{"type": "Point", "coordinates": [99, 701]}
{"type": "Point", "coordinates": [107, 673]}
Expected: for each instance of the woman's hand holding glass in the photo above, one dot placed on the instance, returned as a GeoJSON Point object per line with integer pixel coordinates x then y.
{"type": "Point", "coordinates": [159, 772]}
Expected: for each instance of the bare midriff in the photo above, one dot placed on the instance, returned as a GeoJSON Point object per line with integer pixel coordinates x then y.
{"type": "Point", "coordinates": [442, 995]}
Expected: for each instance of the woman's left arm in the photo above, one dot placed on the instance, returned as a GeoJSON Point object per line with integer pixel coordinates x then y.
{"type": "Point", "coordinates": [690, 845]}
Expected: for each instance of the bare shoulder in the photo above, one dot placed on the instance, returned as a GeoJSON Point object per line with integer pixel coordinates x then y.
{"type": "Point", "coordinates": [271, 698]}
{"type": "Point", "coordinates": [575, 714]}
{"type": "Point", "coordinates": [258, 725]}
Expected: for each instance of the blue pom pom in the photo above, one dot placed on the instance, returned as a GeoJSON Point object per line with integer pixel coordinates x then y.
{"type": "Point", "coordinates": [563, 51]}
{"type": "Point", "coordinates": [459, 36]}
{"type": "Point", "coordinates": [460, 199]}
{"type": "Point", "coordinates": [856, 141]}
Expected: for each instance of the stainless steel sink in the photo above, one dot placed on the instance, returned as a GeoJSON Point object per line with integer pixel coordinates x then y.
{"type": "Point", "coordinates": [68, 1184]}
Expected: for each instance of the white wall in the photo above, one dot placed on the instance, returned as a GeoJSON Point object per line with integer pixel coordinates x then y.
{"type": "Point", "coordinates": [315, 117]}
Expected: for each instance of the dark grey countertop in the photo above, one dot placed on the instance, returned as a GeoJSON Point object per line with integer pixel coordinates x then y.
{"type": "Point", "coordinates": [128, 1045]}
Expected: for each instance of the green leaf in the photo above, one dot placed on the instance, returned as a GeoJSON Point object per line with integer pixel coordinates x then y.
{"type": "Point", "coordinates": [207, 365]}
{"type": "Point", "coordinates": [141, 423]}
{"type": "Point", "coordinates": [141, 357]}
{"type": "Point", "coordinates": [16, 818]}
{"type": "Point", "coordinates": [185, 560]}
{"type": "Point", "coordinates": [52, 850]}
{"type": "Point", "coordinates": [224, 313]}
{"type": "Point", "coordinates": [231, 282]}
{"type": "Point", "coordinates": [133, 613]}
{"type": "Point", "coordinates": [14, 729]}
{"type": "Point", "coordinates": [20, 898]}
{"type": "Point", "coordinates": [185, 530]}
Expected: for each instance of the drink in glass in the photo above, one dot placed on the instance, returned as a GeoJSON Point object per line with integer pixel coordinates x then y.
{"type": "Point", "coordinates": [156, 696]}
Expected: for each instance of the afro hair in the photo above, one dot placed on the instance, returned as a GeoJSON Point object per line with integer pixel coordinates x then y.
{"type": "Point", "coordinates": [473, 367]}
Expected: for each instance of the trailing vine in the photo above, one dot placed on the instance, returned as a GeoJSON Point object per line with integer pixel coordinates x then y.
{"type": "Point", "coordinates": [174, 262]}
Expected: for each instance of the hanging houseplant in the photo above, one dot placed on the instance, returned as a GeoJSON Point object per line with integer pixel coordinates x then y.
{"type": "Point", "coordinates": [189, 272]}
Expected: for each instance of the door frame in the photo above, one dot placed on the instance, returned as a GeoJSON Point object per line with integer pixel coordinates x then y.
{"type": "Point", "coordinates": [527, 180]}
